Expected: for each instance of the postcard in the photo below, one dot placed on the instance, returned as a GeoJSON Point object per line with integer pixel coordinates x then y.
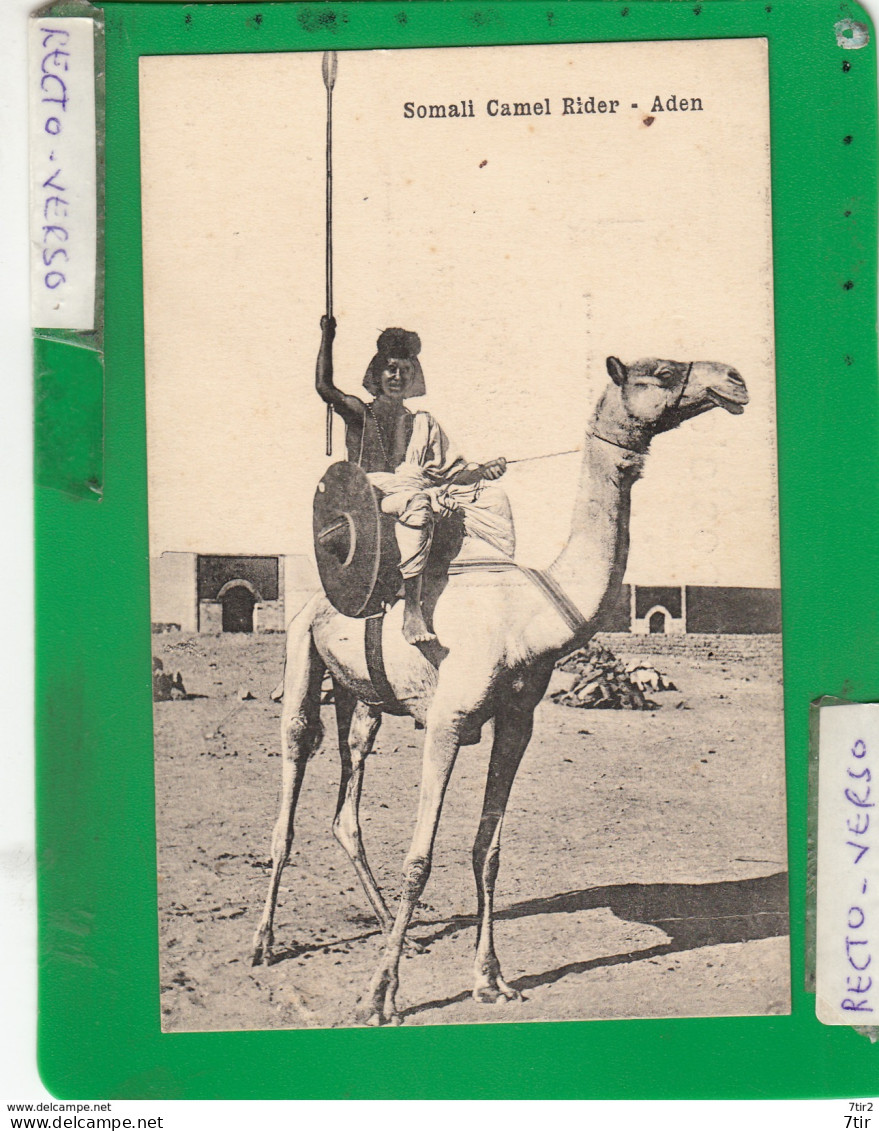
{"type": "Point", "coordinates": [524, 577]}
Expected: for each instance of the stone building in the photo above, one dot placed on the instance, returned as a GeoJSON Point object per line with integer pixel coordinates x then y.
{"type": "Point", "coordinates": [676, 609]}
{"type": "Point", "coordinates": [229, 592]}
{"type": "Point", "coordinates": [262, 593]}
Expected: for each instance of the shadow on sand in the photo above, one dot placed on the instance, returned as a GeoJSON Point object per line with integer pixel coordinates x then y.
{"type": "Point", "coordinates": [692, 915]}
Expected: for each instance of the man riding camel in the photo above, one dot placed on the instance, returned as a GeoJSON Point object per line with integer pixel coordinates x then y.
{"type": "Point", "coordinates": [410, 461]}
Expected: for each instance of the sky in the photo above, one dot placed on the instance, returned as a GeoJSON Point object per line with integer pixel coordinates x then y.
{"type": "Point", "coordinates": [524, 251]}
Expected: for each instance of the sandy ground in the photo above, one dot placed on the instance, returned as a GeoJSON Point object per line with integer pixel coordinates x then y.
{"type": "Point", "coordinates": [642, 870]}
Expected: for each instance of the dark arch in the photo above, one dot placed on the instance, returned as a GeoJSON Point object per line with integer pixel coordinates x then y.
{"type": "Point", "coordinates": [238, 599]}
{"type": "Point", "coordinates": [657, 622]}
{"type": "Point", "coordinates": [257, 596]}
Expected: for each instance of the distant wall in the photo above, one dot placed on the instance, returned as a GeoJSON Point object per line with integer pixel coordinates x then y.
{"type": "Point", "coordinates": [173, 593]}
{"type": "Point", "coordinates": [657, 610]}
{"type": "Point", "coordinates": [217, 570]}
{"type": "Point", "coordinates": [730, 609]}
{"type": "Point", "coordinates": [721, 647]}
{"type": "Point", "coordinates": [649, 597]}
{"type": "Point", "coordinates": [187, 591]}
{"type": "Point", "coordinates": [210, 616]}
{"type": "Point", "coordinates": [268, 616]}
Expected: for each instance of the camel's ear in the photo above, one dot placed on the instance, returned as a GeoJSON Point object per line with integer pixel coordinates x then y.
{"type": "Point", "coordinates": [617, 370]}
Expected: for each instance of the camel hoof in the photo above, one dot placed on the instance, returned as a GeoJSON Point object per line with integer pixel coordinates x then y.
{"type": "Point", "coordinates": [377, 1006]}
{"type": "Point", "coordinates": [488, 995]}
{"type": "Point", "coordinates": [413, 946]}
{"type": "Point", "coordinates": [374, 1017]}
{"type": "Point", "coordinates": [376, 1021]}
{"type": "Point", "coordinates": [262, 950]}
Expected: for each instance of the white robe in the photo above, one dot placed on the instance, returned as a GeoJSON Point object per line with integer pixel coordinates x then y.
{"type": "Point", "coordinates": [423, 487]}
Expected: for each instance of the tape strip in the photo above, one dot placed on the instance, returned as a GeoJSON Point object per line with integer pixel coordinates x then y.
{"type": "Point", "coordinates": [63, 172]}
{"type": "Point", "coordinates": [847, 903]}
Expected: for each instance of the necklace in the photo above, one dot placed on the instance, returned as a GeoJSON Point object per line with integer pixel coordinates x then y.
{"type": "Point", "coordinates": [378, 433]}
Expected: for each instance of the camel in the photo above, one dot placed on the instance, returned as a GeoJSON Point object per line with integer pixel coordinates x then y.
{"type": "Point", "coordinates": [501, 635]}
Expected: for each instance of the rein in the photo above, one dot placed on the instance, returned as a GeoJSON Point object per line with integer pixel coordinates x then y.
{"type": "Point", "coordinates": [553, 455]}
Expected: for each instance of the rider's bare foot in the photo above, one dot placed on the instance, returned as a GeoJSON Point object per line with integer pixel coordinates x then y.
{"type": "Point", "coordinates": [415, 630]}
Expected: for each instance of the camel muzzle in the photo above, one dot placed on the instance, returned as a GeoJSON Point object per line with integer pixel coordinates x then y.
{"type": "Point", "coordinates": [729, 392]}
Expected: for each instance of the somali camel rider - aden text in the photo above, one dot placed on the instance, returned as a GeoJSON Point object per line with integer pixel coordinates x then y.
{"type": "Point", "coordinates": [410, 461]}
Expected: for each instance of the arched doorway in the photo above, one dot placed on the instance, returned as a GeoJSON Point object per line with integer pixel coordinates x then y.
{"type": "Point", "coordinates": [238, 599]}
{"type": "Point", "coordinates": [656, 623]}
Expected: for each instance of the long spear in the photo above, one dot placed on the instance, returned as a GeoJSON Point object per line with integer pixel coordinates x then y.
{"type": "Point", "coordinates": [329, 73]}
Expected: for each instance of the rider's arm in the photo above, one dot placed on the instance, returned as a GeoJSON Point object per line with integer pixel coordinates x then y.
{"type": "Point", "coordinates": [351, 409]}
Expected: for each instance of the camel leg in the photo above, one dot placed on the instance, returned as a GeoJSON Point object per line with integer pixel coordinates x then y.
{"type": "Point", "coordinates": [358, 725]}
{"type": "Point", "coordinates": [512, 732]}
{"type": "Point", "coordinates": [300, 737]}
{"type": "Point", "coordinates": [440, 751]}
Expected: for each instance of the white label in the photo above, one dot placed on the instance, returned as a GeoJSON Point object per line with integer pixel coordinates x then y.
{"type": "Point", "coordinates": [63, 174]}
{"type": "Point", "coordinates": [847, 958]}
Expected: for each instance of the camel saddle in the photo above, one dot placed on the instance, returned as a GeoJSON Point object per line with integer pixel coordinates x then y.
{"type": "Point", "coordinates": [358, 562]}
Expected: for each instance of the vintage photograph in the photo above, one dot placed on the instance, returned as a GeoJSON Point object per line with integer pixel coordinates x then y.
{"type": "Point", "coordinates": [463, 510]}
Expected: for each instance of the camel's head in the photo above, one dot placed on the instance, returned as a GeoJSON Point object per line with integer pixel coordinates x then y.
{"type": "Point", "coordinates": [660, 395]}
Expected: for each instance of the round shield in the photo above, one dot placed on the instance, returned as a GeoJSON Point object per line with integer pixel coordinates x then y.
{"type": "Point", "coordinates": [350, 542]}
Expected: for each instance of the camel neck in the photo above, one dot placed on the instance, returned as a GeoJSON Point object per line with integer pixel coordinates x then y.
{"type": "Point", "coordinates": [592, 564]}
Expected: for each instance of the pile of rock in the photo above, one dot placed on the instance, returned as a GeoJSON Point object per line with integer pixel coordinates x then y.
{"type": "Point", "coordinates": [603, 681]}
{"type": "Point", "coordinates": [648, 679]}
